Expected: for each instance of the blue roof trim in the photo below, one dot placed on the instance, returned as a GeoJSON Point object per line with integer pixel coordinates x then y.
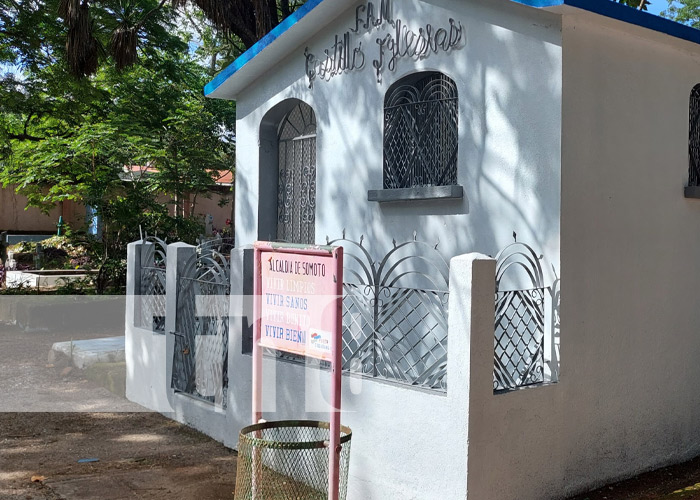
{"type": "Point", "coordinates": [607, 8]}
{"type": "Point", "coordinates": [249, 54]}
{"type": "Point", "coordinates": [640, 18]}
{"type": "Point", "coordinates": [621, 12]}
{"type": "Point", "coordinates": [540, 3]}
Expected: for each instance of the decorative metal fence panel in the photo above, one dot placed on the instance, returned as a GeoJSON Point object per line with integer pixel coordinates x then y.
{"type": "Point", "coordinates": [200, 357]}
{"type": "Point", "coordinates": [395, 313]}
{"type": "Point", "coordinates": [520, 321]}
{"type": "Point", "coordinates": [154, 258]}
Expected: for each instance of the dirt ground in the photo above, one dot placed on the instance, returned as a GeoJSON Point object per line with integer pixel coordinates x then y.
{"type": "Point", "coordinates": [679, 482]}
{"type": "Point", "coordinates": [50, 419]}
{"type": "Point", "coordinates": [141, 455]}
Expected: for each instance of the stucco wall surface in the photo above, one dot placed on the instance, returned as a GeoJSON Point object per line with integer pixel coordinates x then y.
{"type": "Point", "coordinates": [14, 217]}
{"type": "Point", "coordinates": [627, 399]}
{"type": "Point", "coordinates": [407, 443]}
{"type": "Point", "coordinates": [509, 130]}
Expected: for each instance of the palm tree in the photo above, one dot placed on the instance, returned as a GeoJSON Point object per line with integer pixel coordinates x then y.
{"type": "Point", "coordinates": [130, 20]}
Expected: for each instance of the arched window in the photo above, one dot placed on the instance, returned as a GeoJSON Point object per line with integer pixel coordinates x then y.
{"type": "Point", "coordinates": [694, 138]}
{"type": "Point", "coordinates": [420, 132]}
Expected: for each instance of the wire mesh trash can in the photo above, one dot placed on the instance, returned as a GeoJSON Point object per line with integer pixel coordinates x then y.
{"type": "Point", "coordinates": [288, 460]}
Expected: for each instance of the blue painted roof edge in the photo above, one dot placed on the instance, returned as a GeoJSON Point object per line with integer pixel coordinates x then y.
{"type": "Point", "coordinates": [607, 8]}
{"type": "Point", "coordinates": [249, 54]}
{"type": "Point", "coordinates": [625, 14]}
{"type": "Point", "coordinates": [540, 3]}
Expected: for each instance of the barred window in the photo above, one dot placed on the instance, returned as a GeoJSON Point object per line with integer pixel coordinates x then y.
{"type": "Point", "coordinates": [694, 138]}
{"type": "Point", "coordinates": [420, 132]}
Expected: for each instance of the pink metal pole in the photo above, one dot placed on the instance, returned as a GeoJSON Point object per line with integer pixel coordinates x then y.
{"type": "Point", "coordinates": [257, 350]}
{"type": "Point", "coordinates": [336, 349]}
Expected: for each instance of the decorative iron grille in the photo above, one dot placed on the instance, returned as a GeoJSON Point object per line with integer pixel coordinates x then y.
{"type": "Point", "coordinates": [200, 358]}
{"type": "Point", "coordinates": [694, 138]}
{"type": "Point", "coordinates": [555, 319]}
{"type": "Point", "coordinates": [421, 132]}
{"type": "Point", "coordinates": [153, 264]}
{"type": "Point", "coordinates": [296, 212]}
{"type": "Point", "coordinates": [395, 313]}
{"type": "Point", "coordinates": [520, 319]}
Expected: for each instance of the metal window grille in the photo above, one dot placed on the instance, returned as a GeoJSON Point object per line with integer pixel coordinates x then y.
{"type": "Point", "coordinates": [694, 138]}
{"type": "Point", "coordinates": [296, 198]}
{"type": "Point", "coordinates": [421, 132]}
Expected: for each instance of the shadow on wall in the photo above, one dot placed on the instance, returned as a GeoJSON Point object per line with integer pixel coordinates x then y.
{"type": "Point", "coordinates": [509, 152]}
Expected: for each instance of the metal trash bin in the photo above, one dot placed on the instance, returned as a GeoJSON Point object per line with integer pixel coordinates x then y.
{"type": "Point", "coordinates": [288, 460]}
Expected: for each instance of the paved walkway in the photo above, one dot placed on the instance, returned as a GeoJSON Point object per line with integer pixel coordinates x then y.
{"type": "Point", "coordinates": [29, 382]}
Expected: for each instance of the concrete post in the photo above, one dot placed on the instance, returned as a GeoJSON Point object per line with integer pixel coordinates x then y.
{"type": "Point", "coordinates": [470, 341]}
{"type": "Point", "coordinates": [145, 350]}
{"type": "Point", "coordinates": [240, 335]}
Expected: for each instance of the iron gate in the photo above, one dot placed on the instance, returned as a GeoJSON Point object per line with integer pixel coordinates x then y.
{"type": "Point", "coordinates": [200, 357]}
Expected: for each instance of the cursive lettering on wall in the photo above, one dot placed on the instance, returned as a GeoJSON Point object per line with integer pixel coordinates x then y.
{"type": "Point", "coordinates": [407, 43]}
{"type": "Point", "coordinates": [401, 42]}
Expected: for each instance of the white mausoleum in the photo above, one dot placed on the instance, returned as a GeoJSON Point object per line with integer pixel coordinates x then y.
{"type": "Point", "coordinates": [573, 125]}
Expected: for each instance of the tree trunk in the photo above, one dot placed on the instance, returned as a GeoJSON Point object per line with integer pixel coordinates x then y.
{"type": "Point", "coordinates": [265, 16]}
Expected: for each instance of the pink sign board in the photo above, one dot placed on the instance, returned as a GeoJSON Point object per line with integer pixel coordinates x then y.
{"type": "Point", "coordinates": [298, 296]}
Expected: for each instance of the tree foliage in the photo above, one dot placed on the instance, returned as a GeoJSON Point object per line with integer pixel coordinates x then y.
{"type": "Point", "coordinates": [684, 11]}
{"type": "Point", "coordinates": [95, 31]}
{"type": "Point", "coordinates": [637, 4]}
{"type": "Point", "coordinates": [66, 138]}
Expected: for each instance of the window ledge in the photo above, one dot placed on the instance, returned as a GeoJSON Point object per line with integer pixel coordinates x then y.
{"type": "Point", "coordinates": [416, 193]}
{"type": "Point", "coordinates": [691, 191]}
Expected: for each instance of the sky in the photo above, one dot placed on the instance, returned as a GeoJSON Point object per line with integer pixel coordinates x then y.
{"type": "Point", "coordinates": [657, 6]}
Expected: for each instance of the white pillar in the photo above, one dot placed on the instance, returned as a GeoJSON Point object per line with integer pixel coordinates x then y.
{"type": "Point", "coordinates": [470, 342]}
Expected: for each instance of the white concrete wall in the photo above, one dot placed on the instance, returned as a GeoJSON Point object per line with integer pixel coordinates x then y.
{"type": "Point", "coordinates": [407, 443]}
{"type": "Point", "coordinates": [627, 400]}
{"type": "Point", "coordinates": [149, 355]}
{"type": "Point", "coordinates": [509, 129]}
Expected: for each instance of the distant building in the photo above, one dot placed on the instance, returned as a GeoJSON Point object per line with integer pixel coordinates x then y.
{"type": "Point", "coordinates": [17, 219]}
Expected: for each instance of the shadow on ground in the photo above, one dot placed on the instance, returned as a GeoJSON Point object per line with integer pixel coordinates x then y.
{"type": "Point", "coordinates": [141, 455]}
{"type": "Point", "coordinates": [678, 482]}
